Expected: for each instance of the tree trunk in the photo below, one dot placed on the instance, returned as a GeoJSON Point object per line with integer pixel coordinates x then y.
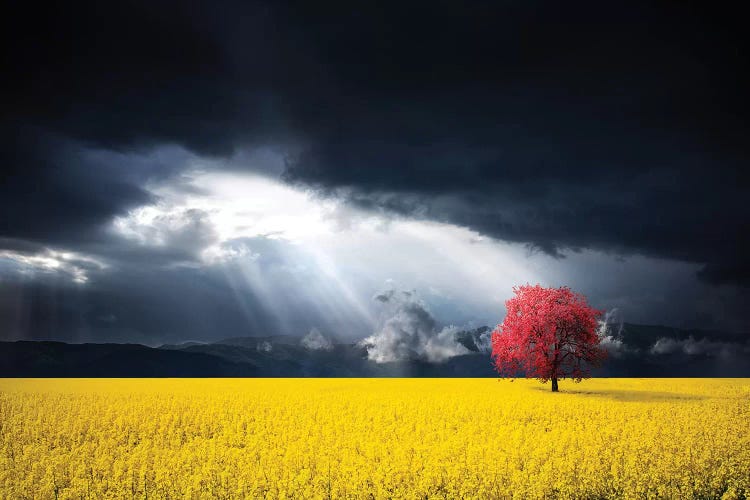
{"type": "Point", "coordinates": [554, 384]}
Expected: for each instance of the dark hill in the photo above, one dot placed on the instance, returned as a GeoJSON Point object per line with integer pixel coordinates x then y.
{"type": "Point", "coordinates": [58, 359]}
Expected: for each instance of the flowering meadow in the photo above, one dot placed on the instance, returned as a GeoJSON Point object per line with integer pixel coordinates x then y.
{"type": "Point", "coordinates": [374, 438]}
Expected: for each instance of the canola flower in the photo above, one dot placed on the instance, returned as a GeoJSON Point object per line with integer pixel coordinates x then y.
{"type": "Point", "coordinates": [373, 438]}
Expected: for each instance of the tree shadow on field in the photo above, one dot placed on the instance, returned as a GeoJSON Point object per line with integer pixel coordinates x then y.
{"type": "Point", "coordinates": [629, 395]}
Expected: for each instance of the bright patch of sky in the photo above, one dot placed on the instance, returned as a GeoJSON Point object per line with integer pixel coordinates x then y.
{"type": "Point", "coordinates": [462, 275]}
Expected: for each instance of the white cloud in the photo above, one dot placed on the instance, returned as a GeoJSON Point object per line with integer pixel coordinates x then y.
{"type": "Point", "coordinates": [410, 332]}
{"type": "Point", "coordinates": [692, 347]}
{"type": "Point", "coordinates": [264, 346]}
{"type": "Point", "coordinates": [484, 342]}
{"type": "Point", "coordinates": [52, 262]}
{"type": "Point", "coordinates": [316, 341]}
{"type": "Point", "coordinates": [443, 345]}
{"type": "Point", "coordinates": [182, 229]}
{"type": "Point", "coordinates": [610, 333]}
{"type": "Point", "coordinates": [228, 252]}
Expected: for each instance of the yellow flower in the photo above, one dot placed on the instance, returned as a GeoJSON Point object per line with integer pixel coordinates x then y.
{"type": "Point", "coordinates": [381, 438]}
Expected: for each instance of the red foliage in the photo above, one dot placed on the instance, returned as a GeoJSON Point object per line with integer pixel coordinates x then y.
{"type": "Point", "coordinates": [548, 333]}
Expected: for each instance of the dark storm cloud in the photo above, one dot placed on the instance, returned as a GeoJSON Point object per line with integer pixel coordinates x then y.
{"type": "Point", "coordinates": [56, 191]}
{"type": "Point", "coordinates": [612, 126]}
{"type": "Point", "coordinates": [617, 127]}
{"type": "Point", "coordinates": [114, 75]}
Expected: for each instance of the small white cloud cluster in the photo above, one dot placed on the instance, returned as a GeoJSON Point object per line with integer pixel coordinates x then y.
{"type": "Point", "coordinates": [264, 346]}
{"type": "Point", "coordinates": [693, 347]}
{"type": "Point", "coordinates": [48, 261]}
{"type": "Point", "coordinates": [484, 342]}
{"type": "Point", "coordinates": [610, 334]}
{"type": "Point", "coordinates": [227, 252]}
{"type": "Point", "coordinates": [410, 332]}
{"type": "Point", "coordinates": [316, 341]}
{"type": "Point", "coordinates": [616, 347]}
{"type": "Point", "coordinates": [611, 325]}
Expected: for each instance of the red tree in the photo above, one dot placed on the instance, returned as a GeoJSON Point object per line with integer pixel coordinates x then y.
{"type": "Point", "coordinates": [548, 334]}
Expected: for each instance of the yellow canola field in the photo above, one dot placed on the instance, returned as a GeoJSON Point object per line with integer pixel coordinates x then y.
{"type": "Point", "coordinates": [374, 438]}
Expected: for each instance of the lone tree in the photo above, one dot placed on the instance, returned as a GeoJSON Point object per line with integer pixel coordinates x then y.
{"type": "Point", "coordinates": [548, 334]}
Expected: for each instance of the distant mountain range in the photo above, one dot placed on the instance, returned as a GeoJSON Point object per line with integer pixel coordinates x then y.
{"type": "Point", "coordinates": [636, 351]}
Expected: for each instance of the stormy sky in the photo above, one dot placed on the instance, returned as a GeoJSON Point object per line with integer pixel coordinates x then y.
{"type": "Point", "coordinates": [176, 171]}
